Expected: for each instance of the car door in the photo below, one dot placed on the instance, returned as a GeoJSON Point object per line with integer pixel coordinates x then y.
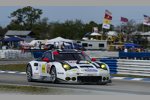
{"type": "Point", "coordinates": [45, 63]}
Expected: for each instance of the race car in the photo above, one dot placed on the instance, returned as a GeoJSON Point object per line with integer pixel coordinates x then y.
{"type": "Point", "coordinates": [70, 65]}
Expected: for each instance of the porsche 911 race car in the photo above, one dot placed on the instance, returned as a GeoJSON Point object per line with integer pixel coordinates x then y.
{"type": "Point", "coordinates": [68, 66]}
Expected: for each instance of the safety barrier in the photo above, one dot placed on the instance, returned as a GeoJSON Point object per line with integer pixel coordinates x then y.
{"type": "Point", "coordinates": [128, 66]}
{"type": "Point", "coordinates": [15, 55]}
{"type": "Point", "coordinates": [117, 66]}
{"type": "Point", "coordinates": [134, 55]}
{"type": "Point", "coordinates": [93, 54]}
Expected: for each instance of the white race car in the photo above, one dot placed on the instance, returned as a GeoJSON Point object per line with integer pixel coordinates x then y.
{"type": "Point", "coordinates": [68, 66]}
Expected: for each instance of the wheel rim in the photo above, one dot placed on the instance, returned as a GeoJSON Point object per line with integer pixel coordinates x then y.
{"type": "Point", "coordinates": [29, 75]}
{"type": "Point", "coordinates": [53, 74]}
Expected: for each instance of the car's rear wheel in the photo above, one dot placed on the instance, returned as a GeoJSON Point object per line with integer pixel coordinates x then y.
{"type": "Point", "coordinates": [29, 73]}
{"type": "Point", "coordinates": [53, 74]}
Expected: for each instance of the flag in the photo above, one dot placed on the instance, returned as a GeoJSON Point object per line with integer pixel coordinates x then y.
{"type": "Point", "coordinates": [106, 26]}
{"type": "Point", "coordinates": [107, 16]}
{"type": "Point", "coordinates": [123, 19]}
{"type": "Point", "coordinates": [106, 21]}
{"type": "Point", "coordinates": [108, 12]}
{"type": "Point", "coordinates": [95, 29]}
{"type": "Point", "coordinates": [146, 20]}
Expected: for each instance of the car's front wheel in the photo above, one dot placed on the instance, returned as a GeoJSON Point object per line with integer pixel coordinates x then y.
{"type": "Point", "coordinates": [53, 74]}
{"type": "Point", "coordinates": [29, 73]}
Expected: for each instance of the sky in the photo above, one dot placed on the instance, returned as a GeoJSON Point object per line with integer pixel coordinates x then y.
{"type": "Point", "coordinates": [84, 13]}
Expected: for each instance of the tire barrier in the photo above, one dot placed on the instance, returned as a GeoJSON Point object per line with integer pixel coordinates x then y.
{"type": "Point", "coordinates": [128, 66]}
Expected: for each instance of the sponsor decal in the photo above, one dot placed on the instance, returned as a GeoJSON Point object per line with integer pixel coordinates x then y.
{"type": "Point", "coordinates": [91, 70]}
{"type": "Point", "coordinates": [36, 73]}
{"type": "Point", "coordinates": [36, 68]}
{"type": "Point", "coordinates": [90, 75]}
{"type": "Point", "coordinates": [74, 70]}
{"type": "Point", "coordinates": [60, 73]}
{"type": "Point", "coordinates": [48, 67]}
{"type": "Point", "coordinates": [43, 68]}
{"type": "Point", "coordinates": [101, 70]}
{"type": "Point", "coordinates": [72, 61]}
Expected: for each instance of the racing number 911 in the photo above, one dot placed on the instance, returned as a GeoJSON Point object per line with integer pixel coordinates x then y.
{"type": "Point", "coordinates": [71, 66]}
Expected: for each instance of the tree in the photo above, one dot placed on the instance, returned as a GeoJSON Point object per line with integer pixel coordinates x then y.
{"type": "Point", "coordinates": [128, 28]}
{"type": "Point", "coordinates": [2, 31]}
{"type": "Point", "coordinates": [25, 17]}
{"type": "Point", "coordinates": [41, 28]}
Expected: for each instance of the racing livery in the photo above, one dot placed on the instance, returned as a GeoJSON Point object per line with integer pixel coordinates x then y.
{"type": "Point", "coordinates": [68, 66]}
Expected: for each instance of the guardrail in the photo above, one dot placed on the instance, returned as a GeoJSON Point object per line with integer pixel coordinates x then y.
{"type": "Point", "coordinates": [128, 66]}
{"type": "Point", "coordinates": [134, 55]}
{"type": "Point", "coordinates": [117, 66]}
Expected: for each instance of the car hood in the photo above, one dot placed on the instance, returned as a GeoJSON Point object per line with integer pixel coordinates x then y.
{"type": "Point", "coordinates": [82, 65]}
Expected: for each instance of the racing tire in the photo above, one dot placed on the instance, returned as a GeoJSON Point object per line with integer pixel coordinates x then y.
{"type": "Point", "coordinates": [29, 73]}
{"type": "Point", "coordinates": [53, 74]}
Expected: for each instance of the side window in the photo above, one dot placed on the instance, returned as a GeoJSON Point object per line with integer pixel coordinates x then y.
{"type": "Point", "coordinates": [47, 55]}
{"type": "Point", "coordinates": [90, 45]}
{"type": "Point", "coordinates": [101, 45]}
{"type": "Point", "coordinates": [84, 44]}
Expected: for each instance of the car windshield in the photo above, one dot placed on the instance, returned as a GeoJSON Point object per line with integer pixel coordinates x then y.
{"type": "Point", "coordinates": [71, 56]}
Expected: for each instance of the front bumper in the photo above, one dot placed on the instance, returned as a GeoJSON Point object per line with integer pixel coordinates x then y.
{"type": "Point", "coordinates": [89, 78]}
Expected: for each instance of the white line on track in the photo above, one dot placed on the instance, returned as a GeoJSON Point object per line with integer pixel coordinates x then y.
{"type": "Point", "coordinates": [22, 73]}
{"type": "Point", "coordinates": [2, 71]}
{"type": "Point", "coordinates": [137, 79]}
{"type": "Point", "coordinates": [118, 77]}
{"type": "Point", "coordinates": [11, 72]}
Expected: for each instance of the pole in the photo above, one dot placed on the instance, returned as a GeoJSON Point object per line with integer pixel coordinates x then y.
{"type": "Point", "coordinates": [143, 27]}
{"type": "Point", "coordinates": [120, 27]}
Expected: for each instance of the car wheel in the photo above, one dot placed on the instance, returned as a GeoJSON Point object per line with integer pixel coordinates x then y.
{"type": "Point", "coordinates": [53, 75]}
{"type": "Point", "coordinates": [29, 73]}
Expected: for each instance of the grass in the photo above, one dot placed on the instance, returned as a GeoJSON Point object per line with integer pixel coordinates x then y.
{"type": "Point", "coordinates": [14, 67]}
{"type": "Point", "coordinates": [27, 89]}
{"type": "Point", "coordinates": [24, 89]}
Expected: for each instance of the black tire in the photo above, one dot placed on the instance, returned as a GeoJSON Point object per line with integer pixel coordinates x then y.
{"type": "Point", "coordinates": [53, 74]}
{"type": "Point", "coordinates": [29, 73]}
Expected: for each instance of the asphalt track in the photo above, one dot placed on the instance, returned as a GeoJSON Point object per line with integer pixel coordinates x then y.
{"type": "Point", "coordinates": [117, 87]}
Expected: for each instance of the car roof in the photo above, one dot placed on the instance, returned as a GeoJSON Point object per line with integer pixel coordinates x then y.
{"type": "Point", "coordinates": [65, 51]}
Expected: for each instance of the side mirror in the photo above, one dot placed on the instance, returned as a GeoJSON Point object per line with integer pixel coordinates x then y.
{"type": "Point", "coordinates": [93, 59]}
{"type": "Point", "coordinates": [46, 60]}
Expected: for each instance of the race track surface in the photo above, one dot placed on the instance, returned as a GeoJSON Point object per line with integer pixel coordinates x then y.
{"type": "Point", "coordinates": [117, 87]}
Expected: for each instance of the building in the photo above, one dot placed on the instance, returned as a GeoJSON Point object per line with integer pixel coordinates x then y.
{"type": "Point", "coordinates": [25, 35]}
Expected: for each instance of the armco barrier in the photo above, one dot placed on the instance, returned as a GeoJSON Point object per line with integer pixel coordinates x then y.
{"type": "Point", "coordinates": [112, 63]}
{"type": "Point", "coordinates": [135, 55]}
{"type": "Point", "coordinates": [93, 54]}
{"type": "Point", "coordinates": [128, 66]}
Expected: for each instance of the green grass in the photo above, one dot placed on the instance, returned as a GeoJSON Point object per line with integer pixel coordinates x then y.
{"type": "Point", "coordinates": [26, 89]}
{"type": "Point", "coordinates": [14, 67]}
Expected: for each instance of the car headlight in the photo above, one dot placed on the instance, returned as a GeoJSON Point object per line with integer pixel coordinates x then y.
{"type": "Point", "coordinates": [103, 66]}
{"type": "Point", "coordinates": [66, 66]}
